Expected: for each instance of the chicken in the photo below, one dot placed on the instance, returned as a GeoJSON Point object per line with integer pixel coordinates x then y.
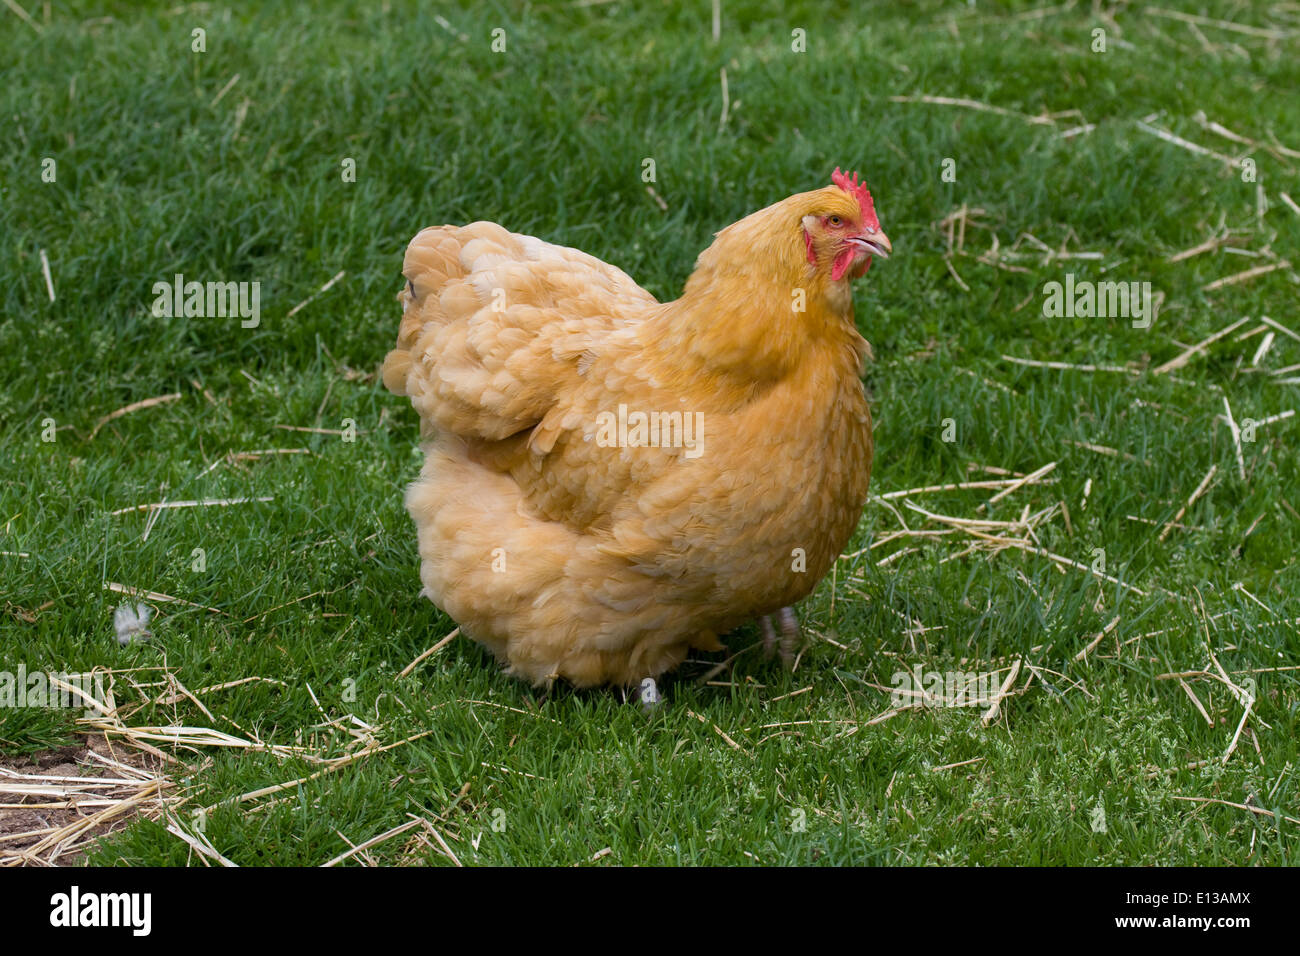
{"type": "Point", "coordinates": [610, 481]}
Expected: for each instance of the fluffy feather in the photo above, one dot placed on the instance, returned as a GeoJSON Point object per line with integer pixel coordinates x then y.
{"type": "Point", "coordinates": [570, 558]}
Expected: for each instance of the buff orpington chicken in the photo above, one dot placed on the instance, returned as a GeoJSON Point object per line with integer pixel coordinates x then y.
{"type": "Point", "coordinates": [611, 481]}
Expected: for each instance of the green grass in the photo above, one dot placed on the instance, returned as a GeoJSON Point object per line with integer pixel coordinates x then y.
{"type": "Point", "coordinates": [156, 175]}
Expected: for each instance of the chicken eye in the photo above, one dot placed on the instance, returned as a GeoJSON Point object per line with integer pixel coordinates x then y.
{"type": "Point", "coordinates": [835, 221]}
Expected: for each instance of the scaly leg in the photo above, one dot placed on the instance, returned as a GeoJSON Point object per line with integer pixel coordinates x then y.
{"type": "Point", "coordinates": [790, 635]}
{"type": "Point", "coordinates": [769, 635]}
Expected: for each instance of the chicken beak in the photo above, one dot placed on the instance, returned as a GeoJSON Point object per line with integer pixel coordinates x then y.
{"type": "Point", "coordinates": [873, 244]}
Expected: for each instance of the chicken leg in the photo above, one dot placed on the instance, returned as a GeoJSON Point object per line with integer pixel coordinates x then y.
{"type": "Point", "coordinates": [790, 635]}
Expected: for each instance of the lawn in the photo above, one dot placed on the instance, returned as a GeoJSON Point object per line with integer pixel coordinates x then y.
{"type": "Point", "coordinates": [1146, 646]}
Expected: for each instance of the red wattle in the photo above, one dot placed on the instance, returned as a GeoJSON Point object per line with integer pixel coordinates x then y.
{"type": "Point", "coordinates": [842, 263]}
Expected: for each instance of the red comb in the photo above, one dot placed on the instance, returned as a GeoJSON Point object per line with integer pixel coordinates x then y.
{"type": "Point", "coordinates": [859, 192]}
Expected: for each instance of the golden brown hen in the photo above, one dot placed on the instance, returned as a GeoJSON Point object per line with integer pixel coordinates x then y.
{"type": "Point", "coordinates": [610, 481]}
